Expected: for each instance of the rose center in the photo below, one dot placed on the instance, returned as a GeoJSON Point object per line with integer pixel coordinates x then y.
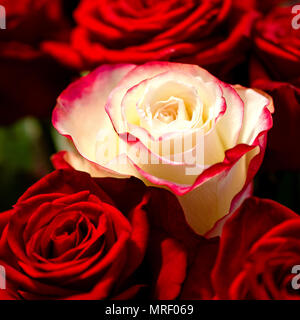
{"type": "Point", "coordinates": [169, 110]}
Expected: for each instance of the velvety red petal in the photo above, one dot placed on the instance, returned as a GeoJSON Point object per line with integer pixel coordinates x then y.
{"type": "Point", "coordinates": [252, 220]}
{"type": "Point", "coordinates": [197, 285]}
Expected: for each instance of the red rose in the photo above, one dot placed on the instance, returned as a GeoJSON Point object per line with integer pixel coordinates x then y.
{"type": "Point", "coordinates": [258, 249]}
{"type": "Point", "coordinates": [73, 237]}
{"type": "Point", "coordinates": [65, 239]}
{"type": "Point", "coordinates": [171, 240]}
{"type": "Point", "coordinates": [275, 68]}
{"type": "Point", "coordinates": [35, 76]}
{"type": "Point", "coordinates": [212, 34]}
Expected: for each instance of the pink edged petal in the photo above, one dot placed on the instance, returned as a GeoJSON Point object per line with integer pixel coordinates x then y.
{"type": "Point", "coordinates": [231, 157]}
{"type": "Point", "coordinates": [257, 117]}
{"type": "Point", "coordinates": [66, 159]}
{"type": "Point", "coordinates": [80, 113]}
{"type": "Point", "coordinates": [221, 194]}
{"type": "Point", "coordinates": [210, 201]}
{"type": "Point", "coordinates": [230, 124]}
{"type": "Point", "coordinates": [255, 158]}
{"type": "Point", "coordinates": [218, 227]}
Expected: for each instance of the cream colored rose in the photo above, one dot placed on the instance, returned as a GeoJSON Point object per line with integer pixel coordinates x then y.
{"type": "Point", "coordinates": [171, 125]}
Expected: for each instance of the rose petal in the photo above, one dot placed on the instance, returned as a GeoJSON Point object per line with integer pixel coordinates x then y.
{"type": "Point", "coordinates": [237, 238]}
{"type": "Point", "coordinates": [85, 100]}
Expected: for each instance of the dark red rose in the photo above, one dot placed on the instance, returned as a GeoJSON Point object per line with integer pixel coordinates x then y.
{"type": "Point", "coordinates": [212, 34]}
{"type": "Point", "coordinates": [275, 68]}
{"type": "Point", "coordinates": [259, 247]}
{"type": "Point", "coordinates": [73, 237]}
{"type": "Point", "coordinates": [65, 239]}
{"type": "Point", "coordinates": [30, 79]}
{"type": "Point", "coordinates": [171, 240]}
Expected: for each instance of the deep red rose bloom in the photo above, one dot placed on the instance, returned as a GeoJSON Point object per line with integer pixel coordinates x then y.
{"type": "Point", "coordinates": [259, 247]}
{"type": "Point", "coordinates": [65, 239]}
{"type": "Point", "coordinates": [171, 241]}
{"type": "Point", "coordinates": [73, 237]}
{"type": "Point", "coordinates": [212, 34]}
{"type": "Point", "coordinates": [30, 79]}
{"type": "Point", "coordinates": [275, 68]}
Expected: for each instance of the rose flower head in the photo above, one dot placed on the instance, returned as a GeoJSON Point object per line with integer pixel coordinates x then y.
{"type": "Point", "coordinates": [66, 239]}
{"type": "Point", "coordinates": [171, 125]}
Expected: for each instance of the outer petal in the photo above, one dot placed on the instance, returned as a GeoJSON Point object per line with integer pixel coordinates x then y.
{"type": "Point", "coordinates": [80, 112]}
{"type": "Point", "coordinates": [217, 197]}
